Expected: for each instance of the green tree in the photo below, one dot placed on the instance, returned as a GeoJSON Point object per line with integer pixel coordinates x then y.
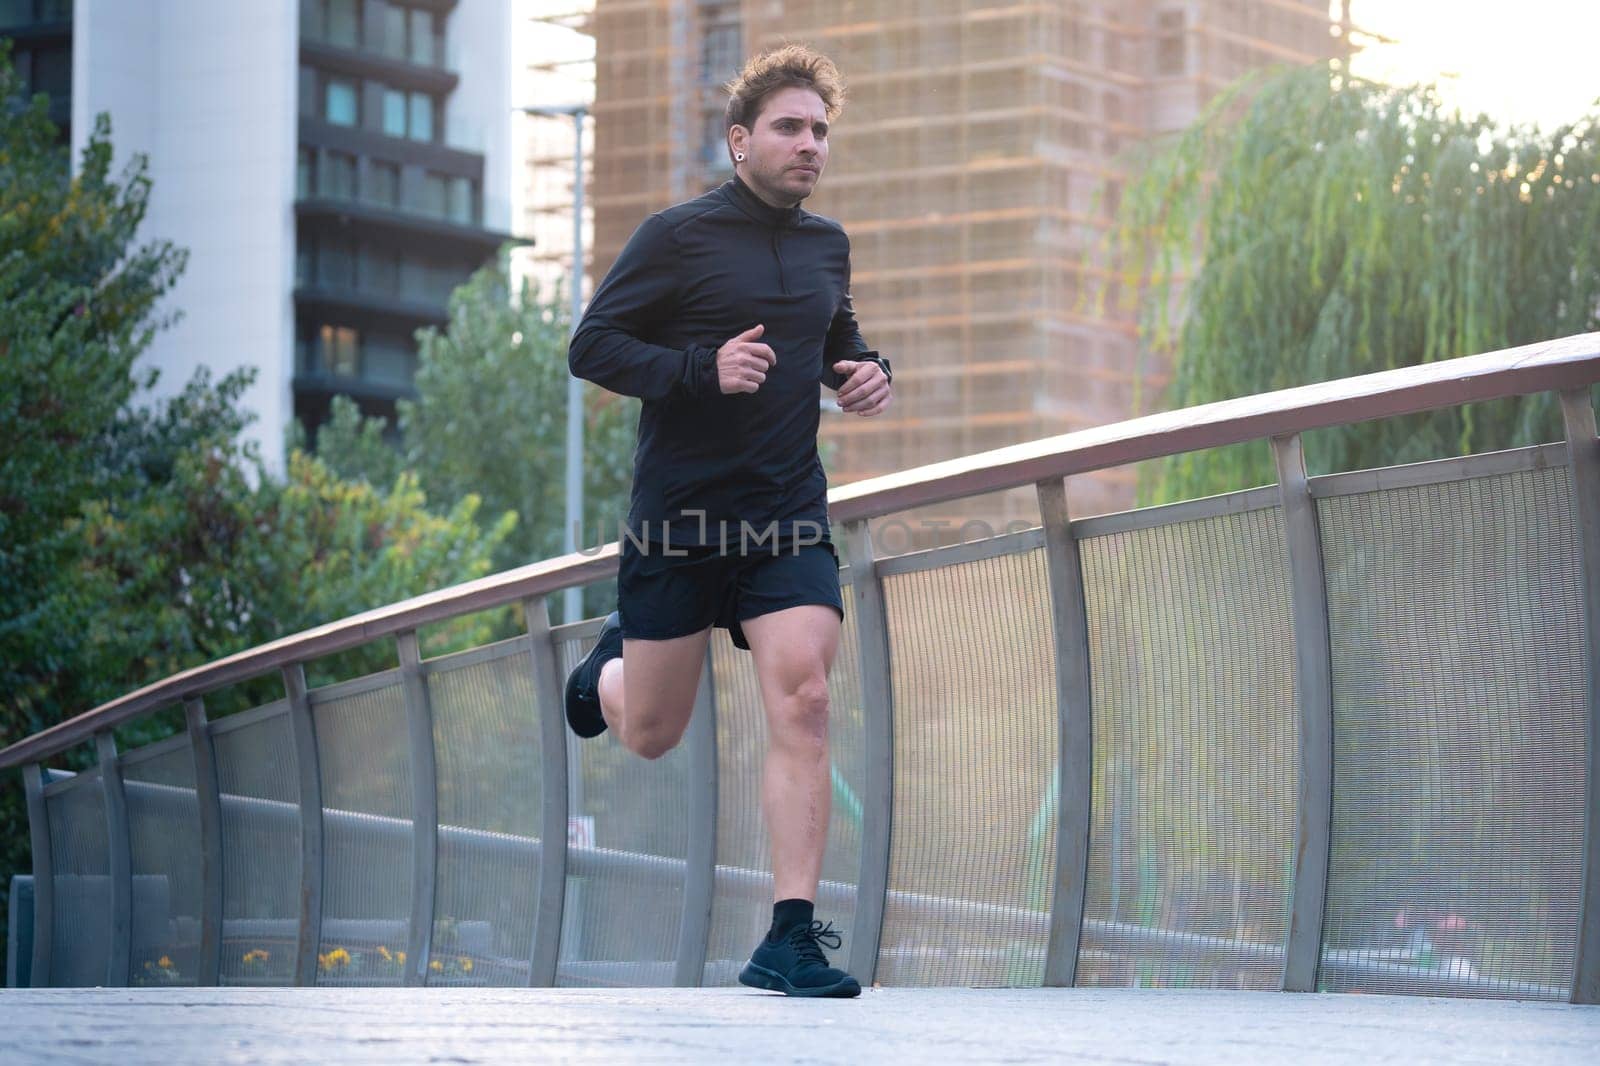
{"type": "Point", "coordinates": [204, 553]}
{"type": "Point", "coordinates": [138, 540]}
{"type": "Point", "coordinates": [1312, 227]}
{"type": "Point", "coordinates": [490, 419]}
{"type": "Point", "coordinates": [1318, 227]}
{"type": "Point", "coordinates": [77, 305]}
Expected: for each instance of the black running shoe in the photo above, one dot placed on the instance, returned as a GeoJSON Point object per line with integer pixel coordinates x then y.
{"type": "Point", "coordinates": [583, 684]}
{"type": "Point", "coordinates": [796, 966]}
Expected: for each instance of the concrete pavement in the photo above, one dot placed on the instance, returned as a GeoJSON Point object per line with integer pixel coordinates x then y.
{"type": "Point", "coordinates": [357, 1026]}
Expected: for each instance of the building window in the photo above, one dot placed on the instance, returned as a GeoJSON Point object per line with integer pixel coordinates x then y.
{"type": "Point", "coordinates": [52, 72]}
{"type": "Point", "coordinates": [1171, 54]}
{"type": "Point", "coordinates": [714, 141]}
{"type": "Point", "coordinates": [383, 183]}
{"type": "Point", "coordinates": [380, 271]}
{"type": "Point", "coordinates": [336, 263]}
{"type": "Point", "coordinates": [411, 34]}
{"type": "Point", "coordinates": [409, 115]}
{"type": "Point", "coordinates": [435, 196]}
{"type": "Point", "coordinates": [423, 45]}
{"type": "Point", "coordinates": [308, 92]}
{"type": "Point", "coordinates": [394, 113]}
{"type": "Point", "coordinates": [22, 12]}
{"type": "Point", "coordinates": [344, 22]}
{"type": "Point", "coordinates": [463, 197]}
{"type": "Point", "coordinates": [305, 173]}
{"type": "Point", "coordinates": [421, 117]}
{"type": "Point", "coordinates": [339, 351]}
{"type": "Point", "coordinates": [393, 41]}
{"type": "Point", "coordinates": [389, 361]}
{"type": "Point", "coordinates": [339, 180]}
{"type": "Point", "coordinates": [720, 53]}
{"type": "Point", "coordinates": [414, 280]}
{"type": "Point", "coordinates": [341, 102]}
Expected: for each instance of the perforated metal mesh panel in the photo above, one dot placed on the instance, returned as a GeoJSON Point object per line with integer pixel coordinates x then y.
{"type": "Point", "coordinates": [363, 754]}
{"type": "Point", "coordinates": [972, 850]}
{"type": "Point", "coordinates": [1192, 657]}
{"type": "Point", "coordinates": [625, 865]}
{"type": "Point", "coordinates": [741, 909]}
{"type": "Point", "coordinates": [164, 840]}
{"type": "Point", "coordinates": [80, 929]}
{"type": "Point", "coordinates": [260, 849]}
{"type": "Point", "coordinates": [1458, 688]}
{"type": "Point", "coordinates": [487, 751]}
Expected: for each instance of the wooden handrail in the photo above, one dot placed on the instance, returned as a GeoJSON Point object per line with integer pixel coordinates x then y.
{"type": "Point", "coordinates": [1565, 363]}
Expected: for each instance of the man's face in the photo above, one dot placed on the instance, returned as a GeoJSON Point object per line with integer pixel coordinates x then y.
{"type": "Point", "coordinates": [786, 149]}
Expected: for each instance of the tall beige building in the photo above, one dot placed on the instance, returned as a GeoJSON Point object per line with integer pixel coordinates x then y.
{"type": "Point", "coordinates": [976, 168]}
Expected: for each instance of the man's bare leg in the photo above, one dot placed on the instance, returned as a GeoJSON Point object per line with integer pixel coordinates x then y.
{"type": "Point", "coordinates": [649, 711]}
{"type": "Point", "coordinates": [794, 649]}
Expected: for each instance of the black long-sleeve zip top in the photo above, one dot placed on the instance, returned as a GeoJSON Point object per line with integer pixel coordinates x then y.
{"type": "Point", "coordinates": [691, 278]}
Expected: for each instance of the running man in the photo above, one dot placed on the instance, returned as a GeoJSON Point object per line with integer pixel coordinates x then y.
{"type": "Point", "coordinates": [722, 314]}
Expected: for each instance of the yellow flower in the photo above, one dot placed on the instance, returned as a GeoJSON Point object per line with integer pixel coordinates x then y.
{"type": "Point", "coordinates": [466, 964]}
{"type": "Point", "coordinates": [384, 953]}
{"type": "Point", "coordinates": [400, 957]}
{"type": "Point", "coordinates": [257, 955]}
{"type": "Point", "coordinates": [436, 966]}
{"type": "Point", "coordinates": [164, 962]}
{"type": "Point", "coordinates": [339, 957]}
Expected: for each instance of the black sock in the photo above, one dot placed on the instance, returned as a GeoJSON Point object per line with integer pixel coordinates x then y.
{"type": "Point", "coordinates": [788, 913]}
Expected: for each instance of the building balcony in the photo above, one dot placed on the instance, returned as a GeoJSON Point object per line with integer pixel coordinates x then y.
{"type": "Point", "coordinates": [365, 63]}
{"type": "Point", "coordinates": [317, 133]}
{"type": "Point", "coordinates": [45, 21]}
{"type": "Point", "coordinates": [362, 306]}
{"type": "Point", "coordinates": [362, 218]}
{"type": "Point", "coordinates": [326, 385]}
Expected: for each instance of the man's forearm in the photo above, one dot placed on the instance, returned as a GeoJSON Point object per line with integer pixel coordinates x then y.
{"type": "Point", "coordinates": [620, 362]}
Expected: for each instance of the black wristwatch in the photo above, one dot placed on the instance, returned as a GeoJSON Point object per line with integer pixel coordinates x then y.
{"type": "Point", "coordinates": [874, 357]}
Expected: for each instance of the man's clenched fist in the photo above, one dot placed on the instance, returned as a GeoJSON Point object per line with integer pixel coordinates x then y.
{"type": "Point", "coordinates": [743, 362]}
{"type": "Point", "coordinates": [865, 391]}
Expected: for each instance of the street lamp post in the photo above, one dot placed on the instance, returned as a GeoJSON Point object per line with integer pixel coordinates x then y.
{"type": "Point", "coordinates": [572, 598]}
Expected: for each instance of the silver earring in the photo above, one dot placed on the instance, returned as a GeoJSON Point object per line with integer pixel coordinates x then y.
{"type": "Point", "coordinates": [738, 157]}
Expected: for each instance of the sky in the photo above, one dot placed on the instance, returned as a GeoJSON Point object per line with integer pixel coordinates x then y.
{"type": "Point", "coordinates": [1525, 61]}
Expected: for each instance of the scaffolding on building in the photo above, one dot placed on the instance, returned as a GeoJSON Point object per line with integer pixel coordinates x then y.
{"type": "Point", "coordinates": [976, 167]}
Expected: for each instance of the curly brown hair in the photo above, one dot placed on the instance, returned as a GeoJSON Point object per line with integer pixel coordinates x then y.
{"type": "Point", "coordinates": [792, 66]}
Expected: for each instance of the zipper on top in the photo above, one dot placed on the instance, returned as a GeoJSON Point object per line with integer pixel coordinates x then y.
{"type": "Point", "coordinates": [777, 253]}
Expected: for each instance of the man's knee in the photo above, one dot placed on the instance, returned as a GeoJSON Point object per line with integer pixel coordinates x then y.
{"type": "Point", "coordinates": [652, 736]}
{"type": "Point", "coordinates": [803, 715]}
{"type": "Point", "coordinates": [653, 745]}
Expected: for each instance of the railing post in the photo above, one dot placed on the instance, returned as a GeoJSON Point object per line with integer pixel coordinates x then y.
{"type": "Point", "coordinates": [1583, 451]}
{"type": "Point", "coordinates": [119, 862]}
{"type": "Point", "coordinates": [699, 883]}
{"type": "Point", "coordinates": [1074, 734]}
{"type": "Point", "coordinates": [545, 951]}
{"type": "Point", "coordinates": [877, 705]}
{"type": "Point", "coordinates": [33, 778]}
{"type": "Point", "coordinates": [424, 808]}
{"type": "Point", "coordinates": [208, 800]}
{"type": "Point", "coordinates": [1313, 683]}
{"type": "Point", "coordinates": [310, 776]}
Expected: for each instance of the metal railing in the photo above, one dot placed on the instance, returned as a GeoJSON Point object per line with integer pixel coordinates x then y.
{"type": "Point", "coordinates": [1338, 733]}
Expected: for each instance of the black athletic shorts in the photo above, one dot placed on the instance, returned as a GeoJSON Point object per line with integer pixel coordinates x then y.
{"type": "Point", "coordinates": [662, 596]}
